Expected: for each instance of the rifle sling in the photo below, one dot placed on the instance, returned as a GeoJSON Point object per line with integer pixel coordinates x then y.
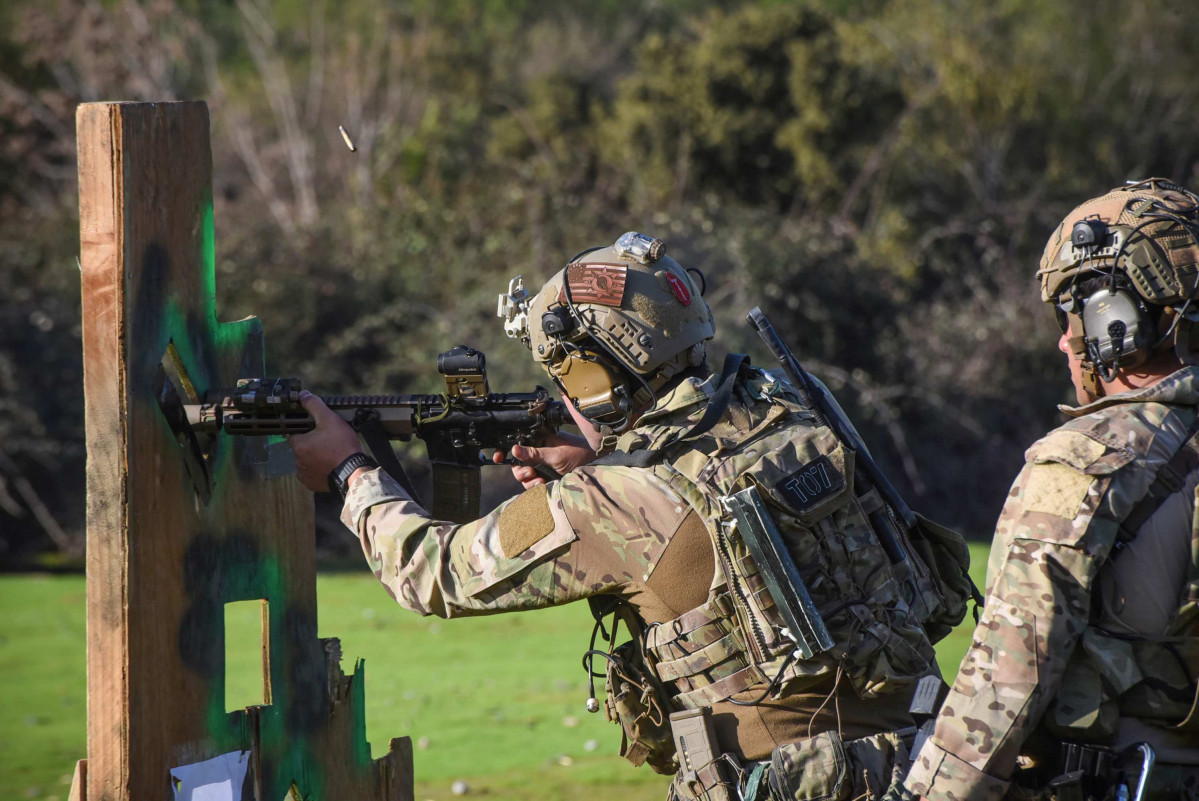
{"type": "Point", "coordinates": [373, 433]}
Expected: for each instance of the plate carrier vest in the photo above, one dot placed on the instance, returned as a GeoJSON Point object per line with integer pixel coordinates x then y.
{"type": "Point", "coordinates": [882, 629]}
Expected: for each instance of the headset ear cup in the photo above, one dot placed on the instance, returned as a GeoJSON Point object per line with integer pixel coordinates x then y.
{"type": "Point", "coordinates": [1144, 337]}
{"type": "Point", "coordinates": [598, 390]}
{"type": "Point", "coordinates": [1119, 331]}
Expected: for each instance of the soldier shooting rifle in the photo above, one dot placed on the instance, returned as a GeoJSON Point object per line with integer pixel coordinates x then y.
{"type": "Point", "coordinates": [686, 500]}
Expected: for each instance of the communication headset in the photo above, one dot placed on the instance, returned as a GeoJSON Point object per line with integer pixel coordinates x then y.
{"type": "Point", "coordinates": [1119, 328]}
{"type": "Point", "coordinates": [588, 373]}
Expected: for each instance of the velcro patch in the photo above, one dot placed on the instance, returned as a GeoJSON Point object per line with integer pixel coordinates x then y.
{"type": "Point", "coordinates": [1069, 447]}
{"type": "Point", "coordinates": [809, 485]}
{"type": "Point", "coordinates": [525, 521]}
{"type": "Point", "coordinates": [1056, 489]}
{"type": "Point", "coordinates": [597, 282]}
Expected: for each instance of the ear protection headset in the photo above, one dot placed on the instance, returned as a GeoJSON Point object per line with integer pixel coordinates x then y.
{"type": "Point", "coordinates": [589, 373]}
{"type": "Point", "coordinates": [1117, 328]}
{"type": "Point", "coordinates": [595, 381]}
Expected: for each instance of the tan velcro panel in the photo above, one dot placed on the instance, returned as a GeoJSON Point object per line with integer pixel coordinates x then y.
{"type": "Point", "coordinates": [525, 521]}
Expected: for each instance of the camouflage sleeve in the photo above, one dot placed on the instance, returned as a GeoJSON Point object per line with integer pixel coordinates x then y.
{"type": "Point", "coordinates": [1056, 529]}
{"type": "Point", "coordinates": [595, 531]}
{"type": "Point", "coordinates": [440, 568]}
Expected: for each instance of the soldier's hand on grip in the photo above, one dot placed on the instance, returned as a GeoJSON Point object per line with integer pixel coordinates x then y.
{"type": "Point", "coordinates": [325, 447]}
{"type": "Point", "coordinates": [561, 452]}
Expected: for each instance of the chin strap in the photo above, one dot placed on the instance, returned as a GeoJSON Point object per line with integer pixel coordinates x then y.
{"type": "Point", "coordinates": [1091, 382]}
{"type": "Point", "coordinates": [1090, 372]}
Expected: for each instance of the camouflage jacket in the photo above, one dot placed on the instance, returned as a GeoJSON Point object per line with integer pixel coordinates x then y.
{"type": "Point", "coordinates": [601, 529]}
{"type": "Point", "coordinates": [597, 530]}
{"type": "Point", "coordinates": [1050, 582]}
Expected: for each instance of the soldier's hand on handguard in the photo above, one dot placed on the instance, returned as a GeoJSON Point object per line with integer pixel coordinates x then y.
{"type": "Point", "coordinates": [321, 450]}
{"type": "Point", "coordinates": [562, 452]}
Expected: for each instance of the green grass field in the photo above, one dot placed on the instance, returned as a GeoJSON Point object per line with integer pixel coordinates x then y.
{"type": "Point", "coordinates": [496, 702]}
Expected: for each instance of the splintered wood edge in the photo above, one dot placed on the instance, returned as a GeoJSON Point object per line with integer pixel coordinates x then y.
{"type": "Point", "coordinates": [79, 782]}
{"type": "Point", "coordinates": [101, 227]}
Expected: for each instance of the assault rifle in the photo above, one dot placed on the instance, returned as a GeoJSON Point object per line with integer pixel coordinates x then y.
{"type": "Point", "coordinates": [455, 426]}
{"type": "Point", "coordinates": [893, 518]}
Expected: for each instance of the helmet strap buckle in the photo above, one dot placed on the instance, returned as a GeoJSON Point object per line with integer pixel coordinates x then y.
{"type": "Point", "coordinates": [1091, 382]}
{"type": "Point", "coordinates": [608, 440]}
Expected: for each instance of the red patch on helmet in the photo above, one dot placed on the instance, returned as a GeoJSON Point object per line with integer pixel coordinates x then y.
{"type": "Point", "coordinates": [679, 288]}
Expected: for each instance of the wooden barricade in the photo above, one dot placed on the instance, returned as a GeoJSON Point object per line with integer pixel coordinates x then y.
{"type": "Point", "coordinates": [172, 538]}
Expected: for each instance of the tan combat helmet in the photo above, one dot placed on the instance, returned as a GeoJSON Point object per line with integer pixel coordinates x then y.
{"type": "Point", "coordinates": [1125, 268]}
{"type": "Point", "coordinates": [613, 326]}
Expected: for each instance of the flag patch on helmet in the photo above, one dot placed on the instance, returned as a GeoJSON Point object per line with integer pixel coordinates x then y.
{"type": "Point", "coordinates": [596, 282]}
{"type": "Point", "coordinates": [809, 485]}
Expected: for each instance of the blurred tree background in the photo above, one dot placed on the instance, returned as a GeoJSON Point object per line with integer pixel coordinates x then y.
{"type": "Point", "coordinates": [879, 175]}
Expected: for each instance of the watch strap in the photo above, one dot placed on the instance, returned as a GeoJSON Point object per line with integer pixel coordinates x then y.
{"type": "Point", "coordinates": [339, 477]}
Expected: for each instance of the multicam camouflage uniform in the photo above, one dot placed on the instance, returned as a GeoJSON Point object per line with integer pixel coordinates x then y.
{"type": "Point", "coordinates": [1083, 639]}
{"type": "Point", "coordinates": [643, 534]}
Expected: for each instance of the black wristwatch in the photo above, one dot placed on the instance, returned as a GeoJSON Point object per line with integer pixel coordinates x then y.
{"type": "Point", "coordinates": [339, 477]}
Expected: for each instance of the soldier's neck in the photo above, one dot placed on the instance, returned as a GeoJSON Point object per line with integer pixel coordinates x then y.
{"type": "Point", "coordinates": [1148, 374]}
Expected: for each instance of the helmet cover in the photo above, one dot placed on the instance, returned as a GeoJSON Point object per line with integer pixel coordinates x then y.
{"type": "Point", "coordinates": [1145, 230]}
{"type": "Point", "coordinates": [627, 305]}
{"type": "Point", "coordinates": [1124, 266]}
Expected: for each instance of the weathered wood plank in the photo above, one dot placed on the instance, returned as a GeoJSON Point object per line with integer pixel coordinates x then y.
{"type": "Point", "coordinates": [163, 557]}
{"type": "Point", "coordinates": [102, 289]}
